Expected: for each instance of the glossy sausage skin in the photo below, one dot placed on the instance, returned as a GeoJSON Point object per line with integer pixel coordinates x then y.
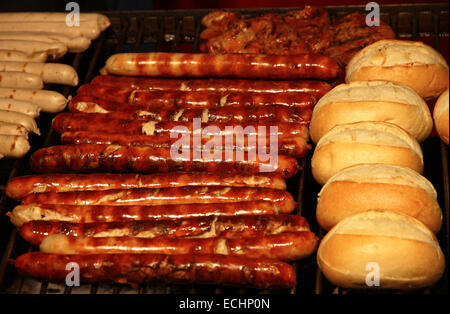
{"type": "Point", "coordinates": [287, 246]}
{"type": "Point", "coordinates": [19, 187]}
{"type": "Point", "coordinates": [226, 227]}
{"type": "Point", "coordinates": [315, 88]}
{"type": "Point", "coordinates": [162, 64]}
{"type": "Point", "coordinates": [92, 98]}
{"type": "Point", "coordinates": [272, 113]}
{"type": "Point", "coordinates": [98, 123]}
{"type": "Point", "coordinates": [94, 158]}
{"type": "Point", "coordinates": [106, 213]}
{"type": "Point", "coordinates": [182, 195]}
{"type": "Point", "coordinates": [295, 146]}
{"type": "Point", "coordinates": [149, 268]}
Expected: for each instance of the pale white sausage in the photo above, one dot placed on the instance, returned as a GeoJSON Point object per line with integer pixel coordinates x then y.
{"type": "Point", "coordinates": [57, 73]}
{"type": "Point", "coordinates": [11, 55]}
{"type": "Point", "coordinates": [16, 79]}
{"type": "Point", "coordinates": [55, 49]}
{"type": "Point", "coordinates": [13, 129]}
{"type": "Point", "coordinates": [102, 20]}
{"type": "Point", "coordinates": [89, 29]}
{"type": "Point", "coordinates": [21, 106]}
{"type": "Point", "coordinates": [47, 100]}
{"type": "Point", "coordinates": [76, 44]}
{"type": "Point", "coordinates": [14, 146]}
{"type": "Point", "coordinates": [19, 118]}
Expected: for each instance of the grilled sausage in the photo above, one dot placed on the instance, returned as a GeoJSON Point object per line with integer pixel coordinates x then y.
{"type": "Point", "coordinates": [226, 227]}
{"type": "Point", "coordinates": [149, 268]}
{"type": "Point", "coordinates": [272, 113]}
{"type": "Point", "coordinates": [57, 73]}
{"type": "Point", "coordinates": [12, 55]}
{"type": "Point", "coordinates": [163, 64]}
{"type": "Point", "coordinates": [287, 246]}
{"type": "Point", "coordinates": [182, 195]}
{"type": "Point", "coordinates": [315, 88]}
{"type": "Point", "coordinates": [15, 79]}
{"type": "Point", "coordinates": [19, 118]}
{"type": "Point", "coordinates": [48, 101]}
{"type": "Point", "coordinates": [31, 46]}
{"type": "Point", "coordinates": [295, 146]}
{"type": "Point", "coordinates": [24, 107]}
{"type": "Point", "coordinates": [14, 146]}
{"type": "Point", "coordinates": [104, 213]}
{"type": "Point", "coordinates": [98, 123]}
{"type": "Point", "coordinates": [19, 187]}
{"type": "Point", "coordinates": [149, 100]}
{"type": "Point", "coordinates": [93, 158]}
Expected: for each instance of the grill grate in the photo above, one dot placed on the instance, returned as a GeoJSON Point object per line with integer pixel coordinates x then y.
{"type": "Point", "coordinates": [179, 30]}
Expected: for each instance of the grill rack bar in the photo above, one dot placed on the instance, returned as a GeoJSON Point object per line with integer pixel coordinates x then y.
{"type": "Point", "coordinates": [135, 24]}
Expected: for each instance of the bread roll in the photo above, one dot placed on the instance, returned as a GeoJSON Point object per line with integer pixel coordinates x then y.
{"type": "Point", "coordinates": [378, 187]}
{"type": "Point", "coordinates": [440, 115]}
{"type": "Point", "coordinates": [406, 252]}
{"type": "Point", "coordinates": [372, 101]}
{"type": "Point", "coordinates": [350, 144]}
{"type": "Point", "coordinates": [410, 63]}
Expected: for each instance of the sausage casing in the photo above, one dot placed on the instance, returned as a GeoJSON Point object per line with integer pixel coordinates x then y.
{"type": "Point", "coordinates": [182, 195]}
{"type": "Point", "coordinates": [148, 268]}
{"type": "Point", "coordinates": [106, 213]}
{"type": "Point", "coordinates": [226, 227]}
{"type": "Point", "coordinates": [287, 246]}
{"type": "Point", "coordinates": [19, 187]}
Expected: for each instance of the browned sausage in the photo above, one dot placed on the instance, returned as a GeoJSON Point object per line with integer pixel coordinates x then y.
{"type": "Point", "coordinates": [105, 213]}
{"type": "Point", "coordinates": [149, 268]}
{"type": "Point", "coordinates": [272, 113]}
{"type": "Point", "coordinates": [287, 246]}
{"type": "Point", "coordinates": [96, 123]}
{"type": "Point", "coordinates": [94, 158]}
{"type": "Point", "coordinates": [182, 195]}
{"type": "Point", "coordinates": [295, 146]}
{"type": "Point", "coordinates": [19, 187]}
{"type": "Point", "coordinates": [163, 64]}
{"type": "Point", "coordinates": [314, 88]}
{"type": "Point", "coordinates": [226, 227]}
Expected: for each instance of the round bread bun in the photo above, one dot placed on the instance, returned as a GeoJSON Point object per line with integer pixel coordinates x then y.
{"type": "Point", "coordinates": [410, 63]}
{"type": "Point", "coordinates": [351, 144]}
{"type": "Point", "coordinates": [440, 115]}
{"type": "Point", "coordinates": [378, 186]}
{"type": "Point", "coordinates": [407, 254]}
{"type": "Point", "coordinates": [372, 101]}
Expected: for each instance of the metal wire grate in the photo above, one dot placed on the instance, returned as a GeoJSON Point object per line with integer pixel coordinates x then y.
{"type": "Point", "coordinates": [179, 30]}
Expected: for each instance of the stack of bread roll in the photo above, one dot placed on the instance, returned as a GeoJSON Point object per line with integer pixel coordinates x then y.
{"type": "Point", "coordinates": [27, 41]}
{"type": "Point", "coordinates": [381, 214]}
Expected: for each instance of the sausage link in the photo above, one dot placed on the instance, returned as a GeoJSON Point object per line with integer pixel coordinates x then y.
{"type": "Point", "coordinates": [98, 123]}
{"type": "Point", "coordinates": [227, 227]}
{"type": "Point", "coordinates": [149, 268]}
{"type": "Point", "coordinates": [105, 213]}
{"type": "Point", "coordinates": [47, 100]}
{"type": "Point", "coordinates": [162, 64]}
{"type": "Point", "coordinates": [89, 104]}
{"type": "Point", "coordinates": [295, 146]}
{"type": "Point", "coordinates": [19, 187]}
{"type": "Point", "coordinates": [182, 195]}
{"type": "Point", "coordinates": [93, 158]}
{"type": "Point", "coordinates": [315, 88]}
{"type": "Point", "coordinates": [288, 246]}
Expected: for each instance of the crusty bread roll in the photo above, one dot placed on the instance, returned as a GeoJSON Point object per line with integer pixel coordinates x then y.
{"type": "Point", "coordinates": [372, 101]}
{"type": "Point", "coordinates": [378, 187]}
{"type": "Point", "coordinates": [407, 253]}
{"type": "Point", "coordinates": [410, 63]}
{"type": "Point", "coordinates": [440, 115]}
{"type": "Point", "coordinates": [350, 144]}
